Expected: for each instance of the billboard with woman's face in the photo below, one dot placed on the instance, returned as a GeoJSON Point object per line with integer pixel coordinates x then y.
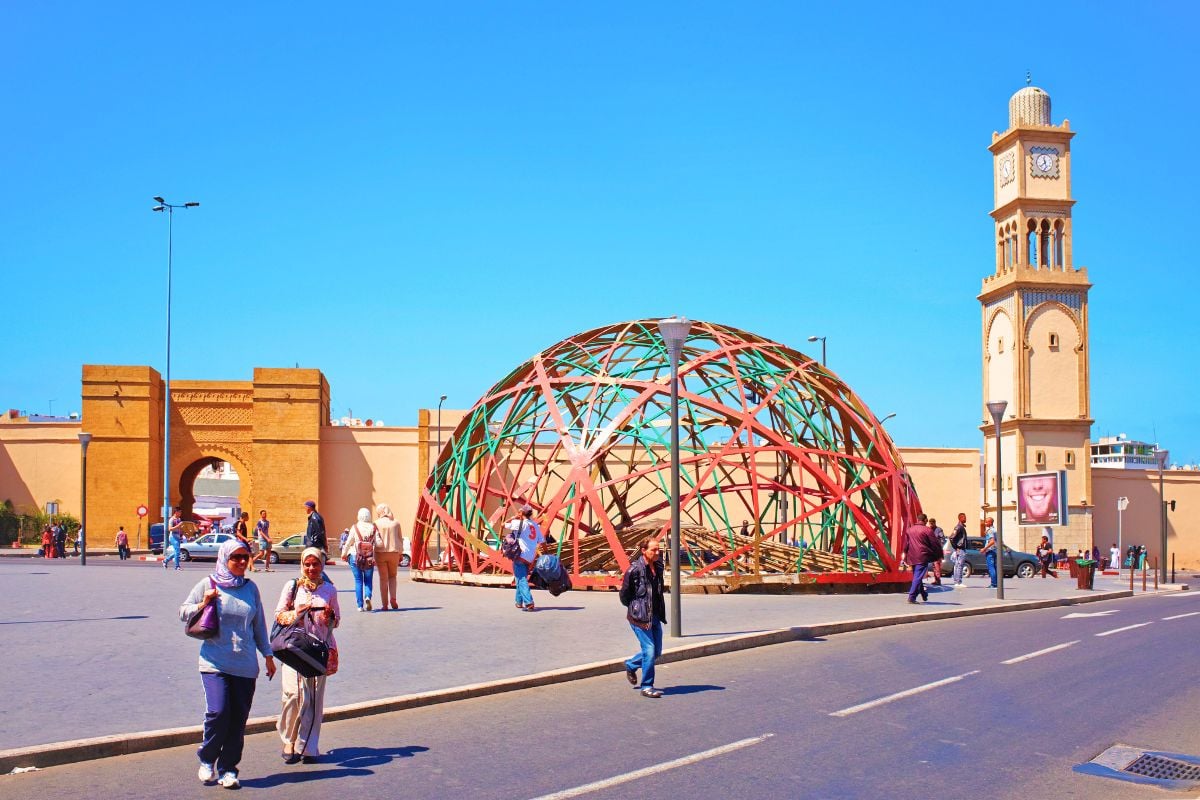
{"type": "Point", "coordinates": [1042, 498]}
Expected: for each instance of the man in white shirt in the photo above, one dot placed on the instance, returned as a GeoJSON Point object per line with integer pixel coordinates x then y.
{"type": "Point", "coordinates": [529, 534]}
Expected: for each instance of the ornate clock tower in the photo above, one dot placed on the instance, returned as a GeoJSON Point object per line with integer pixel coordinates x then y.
{"type": "Point", "coordinates": [1035, 324]}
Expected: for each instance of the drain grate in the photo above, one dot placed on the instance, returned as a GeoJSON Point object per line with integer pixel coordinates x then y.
{"type": "Point", "coordinates": [1164, 769]}
{"type": "Point", "coordinates": [1145, 766]}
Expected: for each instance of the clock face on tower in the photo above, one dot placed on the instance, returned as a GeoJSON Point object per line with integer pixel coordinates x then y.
{"type": "Point", "coordinates": [1043, 162]}
{"type": "Point", "coordinates": [1006, 169]}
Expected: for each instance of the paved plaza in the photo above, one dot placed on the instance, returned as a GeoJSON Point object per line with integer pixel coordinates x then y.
{"type": "Point", "coordinates": [99, 650]}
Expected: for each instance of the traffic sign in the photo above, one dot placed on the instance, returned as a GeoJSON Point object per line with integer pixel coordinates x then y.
{"type": "Point", "coordinates": [142, 511]}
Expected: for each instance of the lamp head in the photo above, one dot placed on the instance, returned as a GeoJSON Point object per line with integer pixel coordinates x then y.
{"type": "Point", "coordinates": [674, 331]}
{"type": "Point", "coordinates": [191, 205]}
{"type": "Point", "coordinates": [159, 208]}
{"type": "Point", "coordinates": [442, 398]}
{"type": "Point", "coordinates": [158, 200]}
{"type": "Point", "coordinates": [815, 338]}
{"type": "Point", "coordinates": [997, 408]}
{"type": "Point", "coordinates": [85, 439]}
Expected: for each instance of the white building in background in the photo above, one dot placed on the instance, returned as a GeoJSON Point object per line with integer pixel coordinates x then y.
{"type": "Point", "coordinates": [1119, 452]}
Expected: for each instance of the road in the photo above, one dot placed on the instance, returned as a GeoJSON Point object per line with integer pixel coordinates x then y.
{"type": "Point", "coordinates": [831, 718]}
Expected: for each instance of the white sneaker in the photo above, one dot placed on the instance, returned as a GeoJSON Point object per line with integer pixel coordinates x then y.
{"type": "Point", "coordinates": [206, 773]}
{"type": "Point", "coordinates": [230, 781]}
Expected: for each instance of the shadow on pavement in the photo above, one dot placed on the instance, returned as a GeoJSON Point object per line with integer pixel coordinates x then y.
{"type": "Point", "coordinates": [360, 757]}
{"type": "Point", "coordinates": [559, 608]}
{"type": "Point", "coordinates": [420, 608]}
{"type": "Point", "coordinates": [78, 619]}
{"type": "Point", "coordinates": [692, 689]}
{"type": "Point", "coordinates": [721, 633]}
{"type": "Point", "coordinates": [302, 775]}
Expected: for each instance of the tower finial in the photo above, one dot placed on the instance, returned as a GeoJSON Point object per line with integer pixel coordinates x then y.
{"type": "Point", "coordinates": [1028, 78]}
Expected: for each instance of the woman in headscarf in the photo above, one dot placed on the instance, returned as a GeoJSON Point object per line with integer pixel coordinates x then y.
{"type": "Point", "coordinates": [228, 662]}
{"type": "Point", "coordinates": [359, 553]}
{"type": "Point", "coordinates": [304, 698]}
{"type": "Point", "coordinates": [388, 550]}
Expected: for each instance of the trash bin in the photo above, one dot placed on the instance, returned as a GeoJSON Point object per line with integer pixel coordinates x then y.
{"type": "Point", "coordinates": [1086, 572]}
{"type": "Point", "coordinates": [1073, 567]}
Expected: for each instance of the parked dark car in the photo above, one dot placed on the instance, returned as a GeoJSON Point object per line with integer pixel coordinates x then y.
{"type": "Point", "coordinates": [1023, 565]}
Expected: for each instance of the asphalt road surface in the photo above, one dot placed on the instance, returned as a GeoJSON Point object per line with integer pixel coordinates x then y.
{"type": "Point", "coordinates": [986, 707]}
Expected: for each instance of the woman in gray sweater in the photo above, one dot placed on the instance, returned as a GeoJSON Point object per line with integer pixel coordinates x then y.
{"type": "Point", "coordinates": [229, 661]}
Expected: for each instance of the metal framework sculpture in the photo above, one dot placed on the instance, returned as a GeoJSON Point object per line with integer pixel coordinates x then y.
{"type": "Point", "coordinates": [581, 432]}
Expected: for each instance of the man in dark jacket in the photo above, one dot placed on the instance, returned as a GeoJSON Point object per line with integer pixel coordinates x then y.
{"type": "Point", "coordinates": [314, 536]}
{"type": "Point", "coordinates": [642, 595]}
{"type": "Point", "coordinates": [920, 547]}
{"type": "Point", "coordinates": [958, 545]}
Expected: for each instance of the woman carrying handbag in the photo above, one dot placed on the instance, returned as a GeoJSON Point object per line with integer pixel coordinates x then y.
{"type": "Point", "coordinates": [311, 601]}
{"type": "Point", "coordinates": [228, 662]}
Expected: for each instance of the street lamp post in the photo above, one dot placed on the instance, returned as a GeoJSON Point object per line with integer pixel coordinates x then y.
{"type": "Point", "coordinates": [438, 486]}
{"type": "Point", "coordinates": [84, 440]}
{"type": "Point", "coordinates": [997, 408]}
{"type": "Point", "coordinates": [821, 339]}
{"type": "Point", "coordinates": [674, 331]}
{"type": "Point", "coordinates": [1122, 504]}
{"type": "Point", "coordinates": [163, 205]}
{"type": "Point", "coordinates": [1161, 457]}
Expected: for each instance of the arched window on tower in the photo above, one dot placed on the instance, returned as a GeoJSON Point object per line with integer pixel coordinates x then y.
{"type": "Point", "coordinates": [1058, 245]}
{"type": "Point", "coordinates": [1044, 243]}
{"type": "Point", "coordinates": [1031, 246]}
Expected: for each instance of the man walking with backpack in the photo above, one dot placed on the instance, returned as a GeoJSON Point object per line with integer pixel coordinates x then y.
{"type": "Point", "coordinates": [528, 538]}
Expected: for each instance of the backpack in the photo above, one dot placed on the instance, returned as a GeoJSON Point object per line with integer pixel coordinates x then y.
{"type": "Point", "coordinates": [364, 552]}
{"type": "Point", "coordinates": [510, 545]}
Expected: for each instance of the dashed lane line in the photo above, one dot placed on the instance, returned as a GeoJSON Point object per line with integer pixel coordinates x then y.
{"type": "Point", "coordinates": [1037, 653]}
{"type": "Point", "coordinates": [617, 780]}
{"type": "Point", "coordinates": [1181, 616]}
{"type": "Point", "coordinates": [845, 712]}
{"type": "Point", "coordinates": [1126, 628]}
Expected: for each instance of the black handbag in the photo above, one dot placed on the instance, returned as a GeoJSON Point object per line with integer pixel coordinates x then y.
{"type": "Point", "coordinates": [301, 650]}
{"type": "Point", "coordinates": [204, 622]}
{"type": "Point", "coordinates": [297, 647]}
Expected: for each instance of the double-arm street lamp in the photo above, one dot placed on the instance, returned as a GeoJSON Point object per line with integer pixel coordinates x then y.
{"type": "Point", "coordinates": [820, 339]}
{"type": "Point", "coordinates": [163, 205]}
{"type": "Point", "coordinates": [84, 440]}
{"type": "Point", "coordinates": [674, 331]}
{"type": "Point", "coordinates": [997, 408]}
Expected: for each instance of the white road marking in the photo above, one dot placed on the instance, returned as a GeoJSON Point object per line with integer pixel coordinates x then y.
{"type": "Point", "coordinates": [617, 780]}
{"type": "Point", "coordinates": [1037, 653]}
{"type": "Point", "coordinates": [1126, 628]}
{"type": "Point", "coordinates": [1080, 615]}
{"type": "Point", "coordinates": [1181, 616]}
{"type": "Point", "coordinates": [845, 712]}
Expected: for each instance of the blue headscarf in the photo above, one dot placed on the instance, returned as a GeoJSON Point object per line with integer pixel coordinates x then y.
{"type": "Point", "coordinates": [223, 577]}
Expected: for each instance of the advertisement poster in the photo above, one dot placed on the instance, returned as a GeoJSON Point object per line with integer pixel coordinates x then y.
{"type": "Point", "coordinates": [1042, 498]}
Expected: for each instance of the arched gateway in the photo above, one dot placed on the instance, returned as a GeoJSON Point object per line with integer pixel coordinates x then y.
{"type": "Point", "coordinates": [268, 428]}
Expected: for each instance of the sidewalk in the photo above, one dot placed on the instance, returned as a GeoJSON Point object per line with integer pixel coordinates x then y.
{"type": "Point", "coordinates": [102, 649]}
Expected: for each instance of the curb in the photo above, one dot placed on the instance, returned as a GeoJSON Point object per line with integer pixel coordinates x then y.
{"type": "Point", "coordinates": [57, 753]}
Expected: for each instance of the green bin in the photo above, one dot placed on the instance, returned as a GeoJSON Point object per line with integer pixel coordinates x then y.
{"type": "Point", "coordinates": [1085, 572]}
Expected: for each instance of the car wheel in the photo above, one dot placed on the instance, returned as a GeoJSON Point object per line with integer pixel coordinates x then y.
{"type": "Point", "coordinates": [1025, 570]}
{"type": "Point", "coordinates": [274, 557]}
{"type": "Point", "coordinates": [405, 560]}
{"type": "Point", "coordinates": [184, 555]}
{"type": "Point", "coordinates": [967, 571]}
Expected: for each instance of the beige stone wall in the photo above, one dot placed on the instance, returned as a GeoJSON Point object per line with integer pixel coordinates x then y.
{"type": "Point", "coordinates": [362, 467]}
{"type": "Point", "coordinates": [1140, 522]}
{"type": "Point", "coordinates": [947, 481]}
{"type": "Point", "coordinates": [40, 463]}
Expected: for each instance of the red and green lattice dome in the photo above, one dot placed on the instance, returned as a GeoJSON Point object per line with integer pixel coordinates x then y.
{"type": "Point", "coordinates": [787, 476]}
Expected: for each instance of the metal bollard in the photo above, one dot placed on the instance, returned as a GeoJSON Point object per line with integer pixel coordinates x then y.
{"type": "Point", "coordinates": [1156, 573]}
{"type": "Point", "coordinates": [1143, 576]}
{"type": "Point", "coordinates": [1172, 568]}
{"type": "Point", "coordinates": [1131, 577]}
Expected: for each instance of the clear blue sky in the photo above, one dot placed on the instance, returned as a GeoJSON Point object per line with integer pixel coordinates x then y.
{"type": "Point", "coordinates": [416, 198]}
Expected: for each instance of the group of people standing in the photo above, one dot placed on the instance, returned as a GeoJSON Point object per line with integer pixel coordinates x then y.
{"type": "Point", "coordinates": [54, 541]}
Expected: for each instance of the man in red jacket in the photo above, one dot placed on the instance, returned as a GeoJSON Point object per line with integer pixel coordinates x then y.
{"type": "Point", "coordinates": [921, 546]}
